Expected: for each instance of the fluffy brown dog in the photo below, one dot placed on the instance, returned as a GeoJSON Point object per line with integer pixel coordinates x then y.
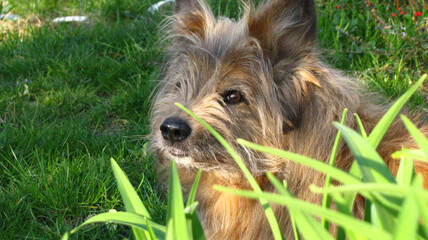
{"type": "Point", "coordinates": [260, 79]}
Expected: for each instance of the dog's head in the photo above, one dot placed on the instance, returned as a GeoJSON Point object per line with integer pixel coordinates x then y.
{"type": "Point", "coordinates": [245, 78]}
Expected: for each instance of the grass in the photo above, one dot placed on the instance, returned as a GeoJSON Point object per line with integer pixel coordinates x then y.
{"type": "Point", "coordinates": [74, 95]}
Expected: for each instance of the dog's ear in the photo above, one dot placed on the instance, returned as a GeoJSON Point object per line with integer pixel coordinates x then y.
{"type": "Point", "coordinates": [284, 28]}
{"type": "Point", "coordinates": [192, 18]}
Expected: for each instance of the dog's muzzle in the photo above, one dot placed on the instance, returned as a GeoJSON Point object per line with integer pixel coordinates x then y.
{"type": "Point", "coordinates": [175, 129]}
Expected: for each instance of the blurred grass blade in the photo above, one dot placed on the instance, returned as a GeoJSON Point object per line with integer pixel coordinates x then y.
{"type": "Point", "coordinates": [311, 229]}
{"type": "Point", "coordinates": [420, 139]}
{"type": "Point", "coordinates": [152, 234]}
{"type": "Point", "coordinates": [387, 189]}
{"type": "Point", "coordinates": [175, 214]}
{"type": "Point", "coordinates": [371, 164]}
{"type": "Point", "coordinates": [411, 154]}
{"type": "Point", "coordinates": [360, 126]}
{"type": "Point", "coordinates": [326, 197]}
{"type": "Point", "coordinates": [373, 169]}
{"type": "Point", "coordinates": [169, 229]}
{"type": "Point", "coordinates": [194, 226]}
{"type": "Point", "coordinates": [406, 171]}
{"type": "Point", "coordinates": [336, 173]}
{"type": "Point", "coordinates": [294, 225]}
{"type": "Point", "coordinates": [350, 223]}
{"type": "Point", "coordinates": [193, 223]}
{"type": "Point", "coordinates": [126, 218]}
{"type": "Point", "coordinates": [268, 210]}
{"type": "Point", "coordinates": [192, 194]}
{"type": "Point", "coordinates": [191, 208]}
{"type": "Point", "coordinates": [423, 209]}
{"type": "Point", "coordinates": [67, 234]}
{"type": "Point", "coordinates": [381, 217]}
{"type": "Point", "coordinates": [367, 210]}
{"type": "Point", "coordinates": [379, 131]}
{"type": "Point", "coordinates": [407, 224]}
{"type": "Point", "coordinates": [132, 201]}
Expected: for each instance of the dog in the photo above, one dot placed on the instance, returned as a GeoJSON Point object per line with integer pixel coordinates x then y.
{"type": "Point", "coordinates": [259, 78]}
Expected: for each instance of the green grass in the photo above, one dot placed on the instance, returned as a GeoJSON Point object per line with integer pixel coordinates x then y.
{"type": "Point", "coordinates": [74, 95]}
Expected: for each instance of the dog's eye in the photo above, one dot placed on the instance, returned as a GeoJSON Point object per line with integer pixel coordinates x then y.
{"type": "Point", "coordinates": [233, 97]}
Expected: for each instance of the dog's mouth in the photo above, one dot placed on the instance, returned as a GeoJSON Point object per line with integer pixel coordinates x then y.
{"type": "Point", "coordinates": [176, 152]}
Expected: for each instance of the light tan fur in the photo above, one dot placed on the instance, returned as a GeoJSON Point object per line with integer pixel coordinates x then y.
{"type": "Point", "coordinates": [291, 99]}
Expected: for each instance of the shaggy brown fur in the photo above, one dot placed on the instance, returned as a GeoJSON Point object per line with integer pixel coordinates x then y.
{"type": "Point", "coordinates": [260, 79]}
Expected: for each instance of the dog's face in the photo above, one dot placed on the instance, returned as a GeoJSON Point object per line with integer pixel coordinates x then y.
{"type": "Point", "coordinates": [242, 77]}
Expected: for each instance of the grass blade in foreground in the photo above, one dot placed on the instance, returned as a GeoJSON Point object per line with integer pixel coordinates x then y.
{"type": "Point", "coordinates": [66, 236]}
{"type": "Point", "coordinates": [360, 126]}
{"type": "Point", "coordinates": [193, 223]}
{"type": "Point", "coordinates": [310, 228]}
{"type": "Point", "coordinates": [371, 164]}
{"type": "Point", "coordinates": [326, 197]}
{"type": "Point", "coordinates": [175, 215]}
{"type": "Point", "coordinates": [192, 194]}
{"type": "Point", "coordinates": [379, 131]}
{"type": "Point", "coordinates": [268, 210]}
{"type": "Point", "coordinates": [336, 173]}
{"type": "Point", "coordinates": [410, 153]}
{"type": "Point", "coordinates": [373, 169]}
{"type": "Point", "coordinates": [130, 198]}
{"type": "Point", "coordinates": [347, 222]}
{"type": "Point", "coordinates": [387, 189]}
{"type": "Point", "coordinates": [406, 171]}
{"type": "Point", "coordinates": [407, 225]}
{"type": "Point", "coordinates": [420, 139]}
{"type": "Point", "coordinates": [126, 218]}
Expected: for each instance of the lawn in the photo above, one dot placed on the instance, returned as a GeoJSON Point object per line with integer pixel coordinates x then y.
{"type": "Point", "coordinates": [74, 95]}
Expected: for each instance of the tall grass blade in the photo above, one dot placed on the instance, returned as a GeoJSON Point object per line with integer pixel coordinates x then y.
{"type": "Point", "coordinates": [420, 139]}
{"type": "Point", "coordinates": [67, 234]}
{"type": "Point", "coordinates": [152, 235]}
{"type": "Point", "coordinates": [360, 126]}
{"type": "Point", "coordinates": [336, 173]}
{"type": "Point", "coordinates": [130, 198]}
{"type": "Point", "coordinates": [407, 224]}
{"type": "Point", "coordinates": [292, 219]}
{"type": "Point", "coordinates": [347, 222]}
{"type": "Point", "coordinates": [326, 197]}
{"type": "Point", "coordinates": [126, 218]}
{"type": "Point", "coordinates": [175, 215]}
{"type": "Point", "coordinates": [406, 171]}
{"type": "Point", "coordinates": [373, 169]}
{"type": "Point", "coordinates": [311, 229]}
{"type": "Point", "coordinates": [192, 194]}
{"type": "Point", "coordinates": [379, 131]}
{"type": "Point", "coordinates": [193, 223]}
{"type": "Point", "coordinates": [381, 218]}
{"type": "Point", "coordinates": [268, 210]}
{"type": "Point", "coordinates": [387, 189]}
{"type": "Point", "coordinates": [371, 164]}
{"type": "Point", "coordinates": [410, 153]}
{"type": "Point", "coordinates": [423, 209]}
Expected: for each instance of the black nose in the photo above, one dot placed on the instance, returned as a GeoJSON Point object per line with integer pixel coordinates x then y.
{"type": "Point", "coordinates": [175, 129]}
